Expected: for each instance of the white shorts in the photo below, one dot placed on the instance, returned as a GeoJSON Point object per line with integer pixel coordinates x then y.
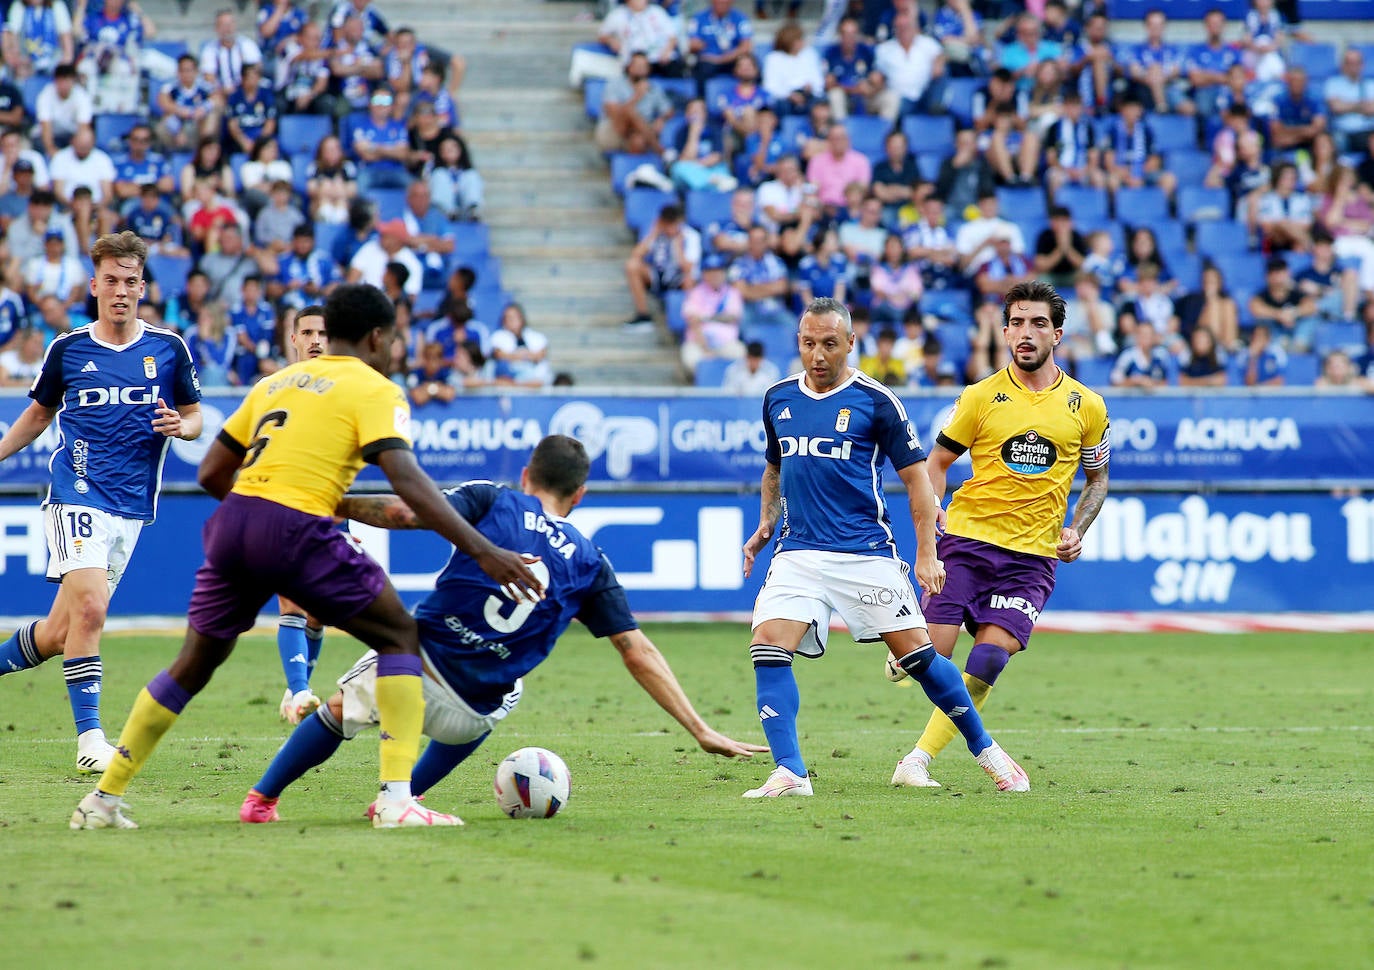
{"type": "Point", "coordinates": [448, 718]}
{"type": "Point", "coordinates": [872, 594]}
{"type": "Point", "coordinates": [80, 537]}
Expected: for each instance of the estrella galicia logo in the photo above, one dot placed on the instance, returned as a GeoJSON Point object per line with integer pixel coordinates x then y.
{"type": "Point", "coordinates": [1075, 402]}
{"type": "Point", "coordinates": [1029, 453]}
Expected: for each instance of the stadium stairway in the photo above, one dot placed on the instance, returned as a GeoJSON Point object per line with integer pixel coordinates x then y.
{"type": "Point", "coordinates": [556, 225]}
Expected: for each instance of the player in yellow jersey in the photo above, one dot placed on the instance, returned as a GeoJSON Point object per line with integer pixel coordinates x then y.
{"type": "Point", "coordinates": [1028, 428]}
{"type": "Point", "coordinates": [280, 466]}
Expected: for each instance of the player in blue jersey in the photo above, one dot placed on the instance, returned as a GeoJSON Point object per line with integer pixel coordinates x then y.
{"type": "Point", "coordinates": [829, 430]}
{"type": "Point", "coordinates": [108, 386]}
{"type": "Point", "coordinates": [477, 642]}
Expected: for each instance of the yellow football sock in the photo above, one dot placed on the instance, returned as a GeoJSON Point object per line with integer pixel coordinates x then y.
{"type": "Point", "coordinates": [940, 730]}
{"type": "Point", "coordinates": [401, 710]}
{"type": "Point", "coordinates": [148, 722]}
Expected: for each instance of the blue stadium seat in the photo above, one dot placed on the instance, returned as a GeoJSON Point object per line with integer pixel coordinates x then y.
{"type": "Point", "coordinates": [1110, 226]}
{"type": "Point", "coordinates": [236, 162]}
{"type": "Point", "coordinates": [170, 272]}
{"type": "Point", "coordinates": [1143, 206]}
{"type": "Point", "coordinates": [1169, 235]}
{"type": "Point", "coordinates": [1030, 232]}
{"type": "Point", "coordinates": [1302, 369]}
{"type": "Point", "coordinates": [711, 372]}
{"type": "Point", "coordinates": [705, 208]}
{"type": "Point", "coordinates": [471, 241]}
{"type": "Point", "coordinates": [302, 134]}
{"type": "Point", "coordinates": [300, 164]}
{"type": "Point", "coordinates": [592, 89]}
{"type": "Point", "coordinates": [1221, 236]}
{"type": "Point", "coordinates": [642, 207]}
{"type": "Point", "coordinates": [956, 305]}
{"type": "Point", "coordinates": [1297, 262]}
{"type": "Point", "coordinates": [1096, 372]}
{"type": "Point", "coordinates": [1367, 50]}
{"type": "Point", "coordinates": [793, 130]}
{"type": "Point", "coordinates": [391, 203]}
{"type": "Point", "coordinates": [680, 90]}
{"type": "Point", "coordinates": [779, 343]}
{"type": "Point", "coordinates": [111, 131]}
{"type": "Point", "coordinates": [1172, 132]}
{"type": "Point", "coordinates": [1022, 205]}
{"type": "Point", "coordinates": [1321, 61]}
{"type": "Point", "coordinates": [1243, 274]}
{"type": "Point", "coordinates": [1185, 267]}
{"type": "Point", "coordinates": [959, 92]}
{"type": "Point", "coordinates": [1340, 336]}
{"type": "Point", "coordinates": [1189, 165]}
{"type": "Point", "coordinates": [928, 163]}
{"type": "Point", "coordinates": [1200, 204]}
{"type": "Point", "coordinates": [1085, 202]}
{"type": "Point", "coordinates": [623, 163]}
{"type": "Point", "coordinates": [33, 85]}
{"type": "Point", "coordinates": [169, 48]}
{"type": "Point", "coordinates": [327, 234]}
{"type": "Point", "coordinates": [672, 311]}
{"type": "Point", "coordinates": [867, 134]}
{"type": "Point", "coordinates": [488, 302]}
{"type": "Point", "coordinates": [672, 130]}
{"type": "Point", "coordinates": [956, 340]}
{"type": "Point", "coordinates": [717, 89]}
{"type": "Point", "coordinates": [347, 127]}
{"type": "Point", "coordinates": [426, 304]}
{"type": "Point", "coordinates": [929, 133]}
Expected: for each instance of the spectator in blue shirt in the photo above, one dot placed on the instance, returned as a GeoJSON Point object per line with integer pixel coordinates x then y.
{"type": "Point", "coordinates": [848, 64]}
{"type": "Point", "coordinates": [1207, 64]}
{"type": "Point", "coordinates": [279, 21]}
{"type": "Point", "coordinates": [762, 280]}
{"type": "Point", "coordinates": [374, 27]}
{"type": "Point", "coordinates": [305, 274]}
{"type": "Point", "coordinates": [1298, 115]}
{"type": "Point", "coordinates": [1129, 152]}
{"type": "Point", "coordinates": [717, 36]}
{"type": "Point", "coordinates": [431, 90]}
{"type": "Point", "coordinates": [1028, 50]}
{"type": "Point", "coordinates": [251, 111]}
{"type": "Point", "coordinates": [383, 145]}
{"type": "Point", "coordinates": [825, 273]}
{"type": "Point", "coordinates": [1155, 68]}
{"type": "Point", "coordinates": [1350, 99]}
{"type": "Point", "coordinates": [139, 167]}
{"type": "Point", "coordinates": [189, 108]}
{"type": "Point", "coordinates": [1264, 362]}
{"type": "Point", "coordinates": [254, 323]}
{"type": "Point", "coordinates": [701, 152]}
{"type": "Point", "coordinates": [154, 220]}
{"type": "Point", "coordinates": [1145, 363]}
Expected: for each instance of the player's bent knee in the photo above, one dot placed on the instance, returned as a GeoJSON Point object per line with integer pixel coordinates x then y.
{"type": "Point", "coordinates": [917, 661]}
{"type": "Point", "coordinates": [768, 655]}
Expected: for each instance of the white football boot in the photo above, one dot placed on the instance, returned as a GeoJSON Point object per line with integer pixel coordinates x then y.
{"type": "Point", "coordinates": [93, 752]}
{"type": "Point", "coordinates": [914, 771]}
{"type": "Point", "coordinates": [94, 812]}
{"type": "Point", "coordinates": [396, 813]}
{"type": "Point", "coordinates": [298, 706]}
{"type": "Point", "coordinates": [782, 783]}
{"type": "Point", "coordinates": [1001, 769]}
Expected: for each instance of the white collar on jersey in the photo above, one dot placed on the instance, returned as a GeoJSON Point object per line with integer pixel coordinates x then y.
{"type": "Point", "coordinates": [142, 326]}
{"type": "Point", "coordinates": [819, 396]}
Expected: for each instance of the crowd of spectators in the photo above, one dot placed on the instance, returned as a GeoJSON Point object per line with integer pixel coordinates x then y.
{"type": "Point", "coordinates": [1206, 208]}
{"type": "Point", "coordinates": [263, 168]}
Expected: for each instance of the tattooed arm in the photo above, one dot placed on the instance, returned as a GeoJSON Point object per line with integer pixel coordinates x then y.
{"type": "Point", "coordinates": [770, 510]}
{"type": "Point", "coordinates": [1089, 504]}
{"type": "Point", "coordinates": [382, 511]}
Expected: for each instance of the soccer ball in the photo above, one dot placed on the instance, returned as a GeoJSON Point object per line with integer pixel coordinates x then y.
{"type": "Point", "coordinates": [532, 783]}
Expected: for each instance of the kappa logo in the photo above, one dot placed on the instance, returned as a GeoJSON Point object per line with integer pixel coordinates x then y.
{"type": "Point", "coordinates": [1001, 399]}
{"type": "Point", "coordinates": [766, 712]}
{"type": "Point", "coordinates": [785, 414]}
{"type": "Point", "coordinates": [90, 367]}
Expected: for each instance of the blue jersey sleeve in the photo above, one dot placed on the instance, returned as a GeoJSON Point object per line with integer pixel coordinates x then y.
{"type": "Point", "coordinates": [473, 500]}
{"type": "Point", "coordinates": [187, 388]}
{"type": "Point", "coordinates": [896, 435]}
{"type": "Point", "coordinates": [772, 453]}
{"type": "Point", "coordinates": [605, 610]}
{"type": "Point", "coordinates": [49, 387]}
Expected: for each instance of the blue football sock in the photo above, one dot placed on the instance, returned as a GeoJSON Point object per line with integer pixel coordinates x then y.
{"type": "Point", "coordinates": [945, 687]}
{"type": "Point", "coordinates": [310, 744]}
{"type": "Point", "coordinates": [779, 702]}
{"type": "Point", "coordinates": [83, 675]}
{"type": "Point", "coordinates": [295, 652]}
{"type": "Point", "coordinates": [20, 652]}
{"type": "Point", "coordinates": [314, 640]}
{"type": "Point", "coordinates": [437, 760]}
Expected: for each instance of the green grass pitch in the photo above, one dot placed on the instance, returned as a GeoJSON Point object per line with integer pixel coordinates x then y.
{"type": "Point", "coordinates": [1197, 802]}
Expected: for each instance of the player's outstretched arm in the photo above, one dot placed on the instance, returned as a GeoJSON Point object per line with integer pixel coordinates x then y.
{"type": "Point", "coordinates": [26, 429]}
{"type": "Point", "coordinates": [379, 511]}
{"type": "Point", "coordinates": [930, 572]}
{"type": "Point", "coordinates": [651, 671]}
{"type": "Point", "coordinates": [419, 492]}
{"type": "Point", "coordinates": [1089, 504]}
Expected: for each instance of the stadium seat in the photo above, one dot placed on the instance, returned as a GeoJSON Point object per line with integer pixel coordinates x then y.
{"type": "Point", "coordinates": [1221, 236]}
{"type": "Point", "coordinates": [672, 312]}
{"type": "Point", "coordinates": [168, 48]}
{"type": "Point", "coordinates": [592, 89]}
{"type": "Point", "coordinates": [867, 134]}
{"type": "Point", "coordinates": [1367, 50]}
{"type": "Point", "coordinates": [1340, 336]}
{"type": "Point", "coordinates": [302, 134]}
{"type": "Point", "coordinates": [111, 131]}
{"type": "Point", "coordinates": [1297, 262]}
{"type": "Point", "coordinates": [1110, 226]}
{"type": "Point", "coordinates": [1302, 369]}
{"type": "Point", "coordinates": [1096, 372]}
{"type": "Point", "coordinates": [793, 130]}
{"type": "Point", "coordinates": [928, 163]}
{"type": "Point", "coordinates": [711, 372]}
{"type": "Point", "coordinates": [779, 343]}
{"type": "Point", "coordinates": [948, 304]}
{"type": "Point", "coordinates": [391, 203]}
{"type": "Point", "coordinates": [32, 86]}
{"type": "Point", "coordinates": [1143, 206]}
{"type": "Point", "coordinates": [426, 303]}
{"type": "Point", "coordinates": [1198, 204]}
{"type": "Point", "coordinates": [623, 163]}
{"type": "Point", "coordinates": [672, 129]}
{"type": "Point", "coordinates": [956, 341]}
{"type": "Point", "coordinates": [929, 133]}
{"type": "Point", "coordinates": [1170, 236]}
{"type": "Point", "coordinates": [706, 208]}
{"type": "Point", "coordinates": [1319, 60]}
{"type": "Point", "coordinates": [471, 241]}
{"type": "Point", "coordinates": [487, 302]}
{"type": "Point", "coordinates": [1021, 205]}
{"type": "Point", "coordinates": [959, 92]}
{"type": "Point", "coordinates": [300, 165]}
{"type": "Point", "coordinates": [1243, 274]}
{"type": "Point", "coordinates": [170, 272]}
{"type": "Point", "coordinates": [1030, 232]}
{"type": "Point", "coordinates": [1185, 267]}
{"type": "Point", "coordinates": [642, 207]}
{"type": "Point", "coordinates": [346, 128]}
{"type": "Point", "coordinates": [327, 234]}
{"type": "Point", "coordinates": [1172, 132]}
{"type": "Point", "coordinates": [680, 90]}
{"type": "Point", "coordinates": [1087, 204]}
{"type": "Point", "coordinates": [717, 90]}
{"type": "Point", "coordinates": [1189, 165]}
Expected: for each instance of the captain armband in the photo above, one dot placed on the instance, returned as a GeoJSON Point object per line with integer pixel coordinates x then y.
{"type": "Point", "coordinates": [1099, 454]}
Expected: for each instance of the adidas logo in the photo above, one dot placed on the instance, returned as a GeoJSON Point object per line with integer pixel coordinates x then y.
{"type": "Point", "coordinates": [954, 712]}
{"type": "Point", "coordinates": [904, 611]}
{"type": "Point", "coordinates": [1001, 399]}
{"type": "Point", "coordinates": [766, 712]}
{"type": "Point", "coordinates": [90, 367]}
{"type": "Point", "coordinates": [91, 689]}
{"type": "Point", "coordinates": [785, 414]}
{"type": "Point", "coordinates": [297, 659]}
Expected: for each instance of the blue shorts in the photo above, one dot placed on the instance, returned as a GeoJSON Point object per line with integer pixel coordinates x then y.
{"type": "Point", "coordinates": [988, 584]}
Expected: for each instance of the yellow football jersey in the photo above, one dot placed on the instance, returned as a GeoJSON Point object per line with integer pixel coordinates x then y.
{"type": "Point", "coordinates": [306, 431]}
{"type": "Point", "coordinates": [1026, 447]}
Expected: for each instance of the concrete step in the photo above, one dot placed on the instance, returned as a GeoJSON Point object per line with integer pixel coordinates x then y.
{"type": "Point", "coordinates": [556, 218]}
{"type": "Point", "coordinates": [539, 196]}
{"type": "Point", "coordinates": [554, 118]}
{"type": "Point", "coordinates": [535, 241]}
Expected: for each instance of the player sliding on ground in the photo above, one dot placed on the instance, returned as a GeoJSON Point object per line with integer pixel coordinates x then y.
{"type": "Point", "coordinates": [1028, 428]}
{"type": "Point", "coordinates": [476, 642]}
{"type": "Point", "coordinates": [279, 467]}
{"type": "Point", "coordinates": [829, 429]}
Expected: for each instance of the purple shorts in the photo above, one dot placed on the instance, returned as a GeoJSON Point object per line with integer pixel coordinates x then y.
{"type": "Point", "coordinates": [988, 584]}
{"type": "Point", "coordinates": [255, 549]}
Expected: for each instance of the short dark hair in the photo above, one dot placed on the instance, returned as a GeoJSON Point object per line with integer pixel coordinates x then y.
{"type": "Point", "coordinates": [354, 310]}
{"type": "Point", "coordinates": [559, 464]}
{"type": "Point", "coordinates": [313, 310]}
{"type": "Point", "coordinates": [671, 213]}
{"type": "Point", "coordinates": [64, 70]}
{"type": "Point", "coordinates": [822, 305]}
{"type": "Point", "coordinates": [399, 270]}
{"type": "Point", "coordinates": [1035, 291]}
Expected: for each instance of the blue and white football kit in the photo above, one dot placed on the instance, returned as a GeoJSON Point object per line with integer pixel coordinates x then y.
{"type": "Point", "coordinates": [107, 467]}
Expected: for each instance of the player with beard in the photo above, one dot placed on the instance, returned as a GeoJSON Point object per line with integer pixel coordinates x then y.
{"type": "Point", "coordinates": [1028, 428]}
